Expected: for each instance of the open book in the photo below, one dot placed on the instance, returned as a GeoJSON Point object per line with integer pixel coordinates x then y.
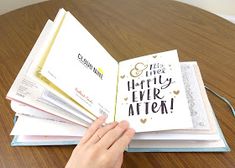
{"type": "Point", "coordinates": [69, 79]}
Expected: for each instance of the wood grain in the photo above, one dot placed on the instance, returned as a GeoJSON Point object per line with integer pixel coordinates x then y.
{"type": "Point", "coordinates": [126, 29]}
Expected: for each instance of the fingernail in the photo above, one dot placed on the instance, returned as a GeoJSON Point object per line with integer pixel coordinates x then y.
{"type": "Point", "coordinates": [131, 131]}
{"type": "Point", "coordinates": [103, 117]}
{"type": "Point", "coordinates": [112, 123]}
{"type": "Point", "coordinates": [124, 123]}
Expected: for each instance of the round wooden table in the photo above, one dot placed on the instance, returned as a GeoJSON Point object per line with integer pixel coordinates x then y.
{"type": "Point", "coordinates": [126, 29]}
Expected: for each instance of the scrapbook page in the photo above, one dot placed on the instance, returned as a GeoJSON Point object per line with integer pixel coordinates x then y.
{"type": "Point", "coordinates": [151, 93]}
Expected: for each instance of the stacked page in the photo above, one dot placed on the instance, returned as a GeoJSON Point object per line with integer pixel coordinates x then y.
{"type": "Point", "coordinates": [69, 79]}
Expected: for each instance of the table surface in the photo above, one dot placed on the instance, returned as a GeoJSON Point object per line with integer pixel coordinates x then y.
{"type": "Point", "coordinates": [126, 29]}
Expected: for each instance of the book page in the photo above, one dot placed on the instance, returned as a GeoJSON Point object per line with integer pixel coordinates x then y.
{"type": "Point", "coordinates": [58, 101]}
{"type": "Point", "coordinates": [151, 94]}
{"type": "Point", "coordinates": [202, 128]}
{"type": "Point", "coordinates": [194, 97]}
{"type": "Point", "coordinates": [26, 90]}
{"type": "Point", "coordinates": [25, 110]}
{"type": "Point", "coordinates": [181, 145]}
{"type": "Point", "coordinates": [26, 125]}
{"type": "Point", "coordinates": [79, 66]}
{"type": "Point", "coordinates": [34, 70]}
{"type": "Point", "coordinates": [28, 140]}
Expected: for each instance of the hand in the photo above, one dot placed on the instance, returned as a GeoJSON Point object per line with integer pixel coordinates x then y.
{"type": "Point", "coordinates": [102, 146]}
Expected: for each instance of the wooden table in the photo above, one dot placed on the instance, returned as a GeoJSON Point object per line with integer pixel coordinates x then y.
{"type": "Point", "coordinates": [126, 28]}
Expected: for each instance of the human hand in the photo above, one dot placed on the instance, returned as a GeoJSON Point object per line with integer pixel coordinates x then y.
{"type": "Point", "coordinates": [102, 146]}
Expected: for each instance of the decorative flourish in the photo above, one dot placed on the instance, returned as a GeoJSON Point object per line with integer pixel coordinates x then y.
{"type": "Point", "coordinates": [140, 66]}
{"type": "Point", "coordinates": [176, 92]}
{"type": "Point", "coordinates": [138, 69]}
{"type": "Point", "coordinates": [155, 56]}
{"type": "Point", "coordinates": [135, 73]}
{"type": "Point", "coordinates": [143, 120]}
{"type": "Point", "coordinates": [122, 76]}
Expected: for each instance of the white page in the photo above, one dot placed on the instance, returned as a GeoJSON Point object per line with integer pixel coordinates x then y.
{"type": "Point", "coordinates": [26, 110]}
{"type": "Point", "coordinates": [45, 140]}
{"type": "Point", "coordinates": [50, 97]}
{"type": "Point", "coordinates": [149, 101]}
{"type": "Point", "coordinates": [177, 144]}
{"type": "Point", "coordinates": [193, 92]}
{"type": "Point", "coordinates": [210, 115]}
{"type": "Point", "coordinates": [197, 109]}
{"type": "Point", "coordinates": [26, 90]}
{"type": "Point", "coordinates": [175, 136]}
{"type": "Point", "coordinates": [23, 109]}
{"type": "Point", "coordinates": [68, 128]}
{"type": "Point", "coordinates": [73, 63]}
{"type": "Point", "coordinates": [34, 126]}
{"type": "Point", "coordinates": [27, 125]}
{"type": "Point", "coordinates": [35, 67]}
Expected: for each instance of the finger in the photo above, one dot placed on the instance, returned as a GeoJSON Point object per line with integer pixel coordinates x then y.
{"type": "Point", "coordinates": [101, 132]}
{"type": "Point", "coordinates": [110, 137]}
{"type": "Point", "coordinates": [92, 129]}
{"type": "Point", "coordinates": [120, 145]}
